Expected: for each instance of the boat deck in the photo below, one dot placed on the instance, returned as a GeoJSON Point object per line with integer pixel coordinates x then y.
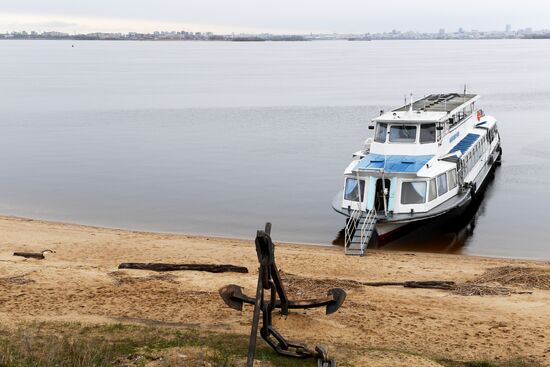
{"type": "Point", "coordinates": [439, 102]}
{"type": "Point", "coordinates": [456, 201]}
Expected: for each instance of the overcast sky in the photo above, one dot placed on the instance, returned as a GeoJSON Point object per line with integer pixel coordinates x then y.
{"type": "Point", "coordinates": [282, 16]}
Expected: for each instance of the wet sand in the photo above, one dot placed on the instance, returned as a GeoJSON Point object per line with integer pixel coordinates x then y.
{"type": "Point", "coordinates": [386, 326]}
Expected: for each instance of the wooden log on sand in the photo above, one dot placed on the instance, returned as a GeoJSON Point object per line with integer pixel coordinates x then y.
{"type": "Point", "coordinates": [430, 284]}
{"type": "Point", "coordinates": [212, 268]}
{"type": "Point", "coordinates": [33, 255]}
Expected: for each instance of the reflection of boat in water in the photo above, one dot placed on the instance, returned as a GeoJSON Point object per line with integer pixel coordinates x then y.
{"type": "Point", "coordinates": [428, 159]}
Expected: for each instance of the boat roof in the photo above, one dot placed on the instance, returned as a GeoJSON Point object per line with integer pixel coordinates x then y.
{"type": "Point", "coordinates": [392, 163]}
{"type": "Point", "coordinates": [440, 102]}
{"type": "Point", "coordinates": [465, 144]}
{"type": "Point", "coordinates": [435, 107]}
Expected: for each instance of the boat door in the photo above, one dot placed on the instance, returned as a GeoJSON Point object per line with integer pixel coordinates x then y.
{"type": "Point", "coordinates": [382, 194]}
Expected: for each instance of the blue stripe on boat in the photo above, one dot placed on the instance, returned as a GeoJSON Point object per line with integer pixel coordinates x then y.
{"type": "Point", "coordinates": [465, 143]}
{"type": "Point", "coordinates": [393, 163]}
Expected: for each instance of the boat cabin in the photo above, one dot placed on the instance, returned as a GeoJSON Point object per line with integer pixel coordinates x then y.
{"type": "Point", "coordinates": [419, 156]}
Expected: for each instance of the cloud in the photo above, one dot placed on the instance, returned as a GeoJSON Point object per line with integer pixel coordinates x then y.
{"type": "Point", "coordinates": [55, 24]}
{"type": "Point", "coordinates": [83, 24]}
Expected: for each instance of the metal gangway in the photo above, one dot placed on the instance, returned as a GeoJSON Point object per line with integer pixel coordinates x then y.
{"type": "Point", "coordinates": [359, 231]}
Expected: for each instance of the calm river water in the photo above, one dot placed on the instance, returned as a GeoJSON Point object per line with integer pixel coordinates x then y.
{"type": "Point", "coordinates": [218, 137]}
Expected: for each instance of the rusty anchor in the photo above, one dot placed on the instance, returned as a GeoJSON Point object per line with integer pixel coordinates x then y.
{"type": "Point", "coordinates": [269, 280]}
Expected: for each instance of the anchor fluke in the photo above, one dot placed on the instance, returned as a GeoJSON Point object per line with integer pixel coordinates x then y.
{"type": "Point", "coordinates": [339, 296]}
{"type": "Point", "coordinates": [232, 296]}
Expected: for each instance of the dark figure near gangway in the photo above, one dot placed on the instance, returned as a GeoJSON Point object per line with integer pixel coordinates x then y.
{"type": "Point", "coordinates": [269, 280]}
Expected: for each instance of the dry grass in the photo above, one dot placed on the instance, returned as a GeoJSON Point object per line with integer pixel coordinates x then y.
{"type": "Point", "coordinates": [16, 279]}
{"type": "Point", "coordinates": [512, 276]}
{"type": "Point", "coordinates": [32, 347]}
{"type": "Point", "coordinates": [123, 345]}
{"type": "Point", "coordinates": [121, 278]}
{"type": "Point", "coordinates": [303, 287]}
{"type": "Point", "coordinates": [472, 289]}
{"type": "Point", "coordinates": [517, 276]}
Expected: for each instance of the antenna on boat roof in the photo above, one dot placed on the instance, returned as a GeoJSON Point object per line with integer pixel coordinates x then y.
{"type": "Point", "coordinates": [464, 90]}
{"type": "Point", "coordinates": [411, 105]}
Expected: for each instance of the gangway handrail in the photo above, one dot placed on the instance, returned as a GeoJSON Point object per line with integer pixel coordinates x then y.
{"type": "Point", "coordinates": [352, 221]}
{"type": "Point", "coordinates": [369, 222]}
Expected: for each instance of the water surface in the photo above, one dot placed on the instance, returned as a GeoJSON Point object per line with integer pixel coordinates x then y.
{"type": "Point", "coordinates": [218, 137]}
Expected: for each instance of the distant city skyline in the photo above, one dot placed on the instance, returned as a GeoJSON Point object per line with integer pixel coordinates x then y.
{"type": "Point", "coordinates": [190, 34]}
{"type": "Point", "coordinates": [441, 34]}
{"type": "Point", "coordinates": [269, 16]}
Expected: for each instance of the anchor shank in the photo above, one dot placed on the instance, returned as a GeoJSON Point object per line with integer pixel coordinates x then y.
{"type": "Point", "coordinates": [255, 321]}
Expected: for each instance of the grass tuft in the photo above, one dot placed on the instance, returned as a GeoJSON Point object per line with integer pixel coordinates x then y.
{"type": "Point", "coordinates": [515, 362]}
{"type": "Point", "coordinates": [112, 345]}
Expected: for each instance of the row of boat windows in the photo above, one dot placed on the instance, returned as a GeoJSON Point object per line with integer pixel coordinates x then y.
{"type": "Point", "coordinates": [473, 156]}
{"type": "Point", "coordinates": [404, 133]}
{"type": "Point", "coordinates": [414, 192]}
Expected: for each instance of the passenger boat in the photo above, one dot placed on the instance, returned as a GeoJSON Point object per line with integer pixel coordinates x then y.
{"type": "Point", "coordinates": [426, 159]}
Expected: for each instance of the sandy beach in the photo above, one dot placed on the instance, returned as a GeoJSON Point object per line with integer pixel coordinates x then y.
{"type": "Point", "coordinates": [376, 326]}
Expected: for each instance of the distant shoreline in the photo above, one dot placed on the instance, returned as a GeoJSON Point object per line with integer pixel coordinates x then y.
{"type": "Point", "coordinates": [220, 237]}
{"type": "Point", "coordinates": [271, 40]}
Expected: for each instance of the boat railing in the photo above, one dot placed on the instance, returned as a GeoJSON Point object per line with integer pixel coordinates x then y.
{"type": "Point", "coordinates": [460, 172]}
{"type": "Point", "coordinates": [351, 226]}
{"type": "Point", "coordinates": [367, 229]}
{"type": "Point", "coordinates": [367, 144]}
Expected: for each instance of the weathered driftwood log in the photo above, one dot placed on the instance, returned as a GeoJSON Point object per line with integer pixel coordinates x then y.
{"type": "Point", "coordinates": [33, 255]}
{"type": "Point", "coordinates": [431, 284]}
{"type": "Point", "coordinates": [212, 268]}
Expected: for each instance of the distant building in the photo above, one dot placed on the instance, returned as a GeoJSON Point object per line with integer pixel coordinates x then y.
{"type": "Point", "coordinates": [508, 28]}
{"type": "Point", "coordinates": [460, 30]}
{"type": "Point", "coordinates": [54, 34]}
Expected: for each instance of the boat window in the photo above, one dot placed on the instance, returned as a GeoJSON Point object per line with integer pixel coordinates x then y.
{"type": "Point", "coordinates": [402, 133]}
{"type": "Point", "coordinates": [381, 132]}
{"type": "Point", "coordinates": [442, 184]}
{"type": "Point", "coordinates": [452, 121]}
{"type": "Point", "coordinates": [451, 175]}
{"type": "Point", "coordinates": [427, 133]}
{"type": "Point", "coordinates": [432, 193]}
{"type": "Point", "coordinates": [351, 192]}
{"type": "Point", "coordinates": [413, 192]}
